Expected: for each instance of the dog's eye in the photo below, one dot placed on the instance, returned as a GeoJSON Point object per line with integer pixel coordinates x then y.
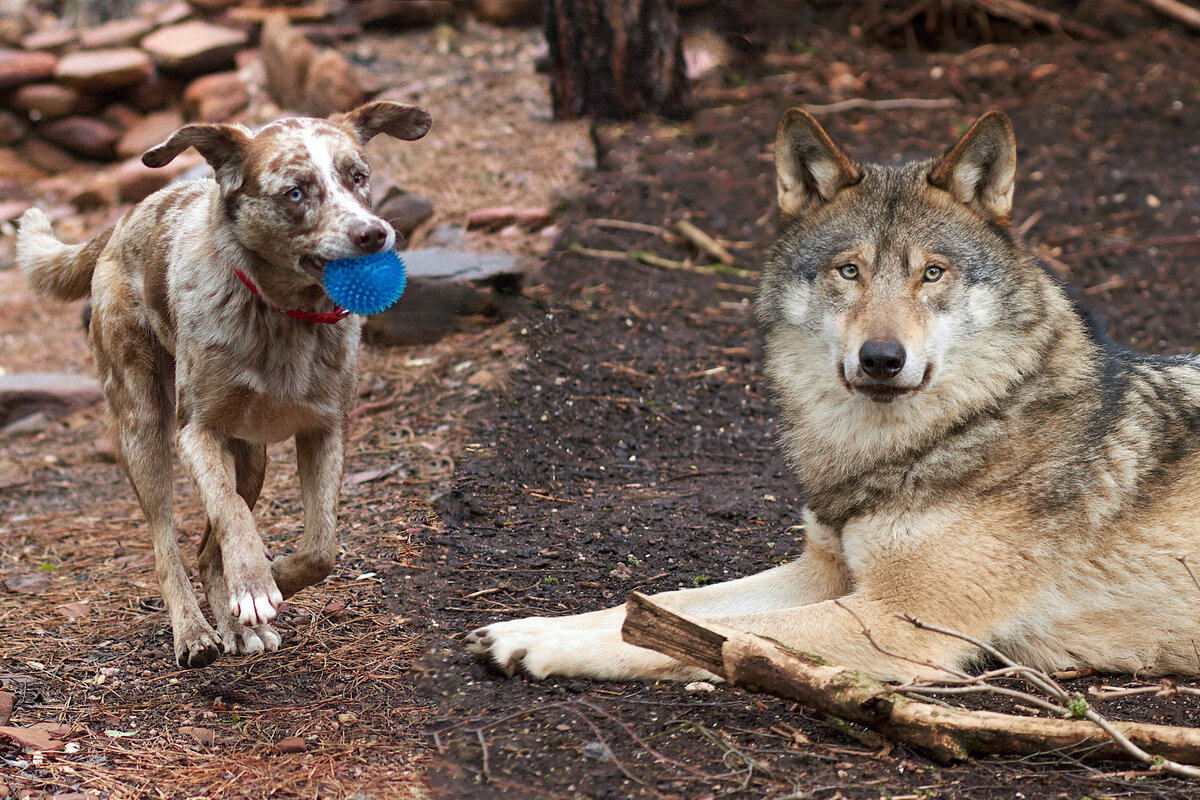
{"type": "Point", "coordinates": [360, 179]}
{"type": "Point", "coordinates": [933, 273]}
{"type": "Point", "coordinates": [295, 194]}
{"type": "Point", "coordinates": [849, 271]}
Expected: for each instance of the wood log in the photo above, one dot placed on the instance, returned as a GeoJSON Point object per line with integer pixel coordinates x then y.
{"type": "Point", "coordinates": [946, 734]}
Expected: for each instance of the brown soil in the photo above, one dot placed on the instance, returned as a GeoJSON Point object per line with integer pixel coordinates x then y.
{"type": "Point", "coordinates": [616, 437]}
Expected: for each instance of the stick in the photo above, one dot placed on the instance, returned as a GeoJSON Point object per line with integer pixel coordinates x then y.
{"type": "Point", "coordinates": [882, 105]}
{"type": "Point", "coordinates": [704, 242]}
{"type": "Point", "coordinates": [1180, 12]}
{"type": "Point", "coordinates": [947, 734]}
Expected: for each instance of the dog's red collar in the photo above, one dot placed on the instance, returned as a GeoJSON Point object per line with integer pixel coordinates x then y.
{"type": "Point", "coordinates": [326, 317]}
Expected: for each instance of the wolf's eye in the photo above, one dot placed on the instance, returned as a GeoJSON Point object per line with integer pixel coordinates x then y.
{"type": "Point", "coordinates": [295, 194]}
{"type": "Point", "coordinates": [933, 273]}
{"type": "Point", "coordinates": [848, 271]}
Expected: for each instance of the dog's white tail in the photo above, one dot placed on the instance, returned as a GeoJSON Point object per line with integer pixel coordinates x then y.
{"type": "Point", "coordinates": [54, 269]}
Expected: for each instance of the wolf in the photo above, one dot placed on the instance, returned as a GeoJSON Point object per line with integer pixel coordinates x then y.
{"type": "Point", "coordinates": [210, 327]}
{"type": "Point", "coordinates": [973, 451]}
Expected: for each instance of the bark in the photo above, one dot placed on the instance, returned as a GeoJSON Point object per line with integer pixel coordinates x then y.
{"type": "Point", "coordinates": [946, 734]}
{"type": "Point", "coordinates": [615, 59]}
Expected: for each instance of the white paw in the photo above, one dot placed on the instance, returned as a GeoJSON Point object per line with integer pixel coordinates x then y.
{"type": "Point", "coordinates": [255, 607]}
{"type": "Point", "coordinates": [583, 646]}
{"type": "Point", "coordinates": [527, 644]}
{"type": "Point", "coordinates": [246, 640]}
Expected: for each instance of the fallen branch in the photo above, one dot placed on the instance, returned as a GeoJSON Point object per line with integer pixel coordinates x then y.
{"type": "Point", "coordinates": [947, 734]}
{"type": "Point", "coordinates": [1180, 12]}
{"type": "Point", "coordinates": [705, 242]}
{"type": "Point", "coordinates": [655, 260]}
{"type": "Point", "coordinates": [890, 104]}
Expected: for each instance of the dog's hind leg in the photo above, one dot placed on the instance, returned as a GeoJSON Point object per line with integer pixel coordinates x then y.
{"type": "Point", "coordinates": [319, 456]}
{"type": "Point", "coordinates": [250, 461]}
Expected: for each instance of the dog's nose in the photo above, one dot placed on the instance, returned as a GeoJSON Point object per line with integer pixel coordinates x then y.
{"type": "Point", "coordinates": [370, 236]}
{"type": "Point", "coordinates": [881, 358]}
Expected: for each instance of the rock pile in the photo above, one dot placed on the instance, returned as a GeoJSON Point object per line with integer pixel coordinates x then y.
{"type": "Point", "coordinates": [74, 101]}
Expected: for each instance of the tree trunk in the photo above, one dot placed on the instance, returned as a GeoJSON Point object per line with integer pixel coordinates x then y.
{"type": "Point", "coordinates": [615, 59]}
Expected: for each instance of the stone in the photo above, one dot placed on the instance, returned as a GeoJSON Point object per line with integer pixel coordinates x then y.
{"type": "Point", "coordinates": [117, 33]}
{"type": "Point", "coordinates": [12, 129]}
{"type": "Point", "coordinates": [150, 131]}
{"type": "Point", "coordinates": [42, 101]}
{"type": "Point", "coordinates": [86, 136]}
{"type": "Point", "coordinates": [155, 93]}
{"type": "Point", "coordinates": [195, 47]}
{"type": "Point", "coordinates": [404, 210]}
{"type": "Point", "coordinates": [212, 6]}
{"type": "Point", "coordinates": [218, 97]}
{"type": "Point", "coordinates": [402, 13]}
{"type": "Point", "coordinates": [100, 192]}
{"type": "Point", "coordinates": [50, 41]}
{"type": "Point", "coordinates": [98, 70]}
{"type": "Point", "coordinates": [135, 181]}
{"type": "Point", "coordinates": [508, 12]}
{"type": "Point", "coordinates": [286, 56]}
{"type": "Point", "coordinates": [292, 744]}
{"type": "Point", "coordinates": [19, 67]}
{"type": "Point", "coordinates": [448, 291]}
{"type": "Point", "coordinates": [18, 168]}
{"type": "Point", "coordinates": [53, 394]}
{"type": "Point", "coordinates": [43, 156]}
{"type": "Point", "coordinates": [331, 85]}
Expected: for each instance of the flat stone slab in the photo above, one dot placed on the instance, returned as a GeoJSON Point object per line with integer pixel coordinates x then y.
{"type": "Point", "coordinates": [54, 394]}
{"type": "Point", "coordinates": [442, 262]}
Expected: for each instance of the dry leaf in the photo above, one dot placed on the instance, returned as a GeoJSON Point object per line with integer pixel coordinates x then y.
{"type": "Point", "coordinates": [6, 707]}
{"type": "Point", "coordinates": [27, 582]}
{"type": "Point", "coordinates": [292, 744]}
{"type": "Point", "coordinates": [72, 610]}
{"type": "Point", "coordinates": [201, 735]}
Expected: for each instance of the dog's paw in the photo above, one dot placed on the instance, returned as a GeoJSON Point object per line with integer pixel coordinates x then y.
{"type": "Point", "coordinates": [253, 601]}
{"type": "Point", "coordinates": [246, 640]}
{"type": "Point", "coordinates": [196, 645]}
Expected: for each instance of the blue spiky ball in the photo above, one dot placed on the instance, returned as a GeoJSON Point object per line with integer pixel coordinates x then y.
{"type": "Point", "coordinates": [367, 284]}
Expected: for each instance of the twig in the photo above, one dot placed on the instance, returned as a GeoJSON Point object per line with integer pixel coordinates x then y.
{"type": "Point", "coordinates": [640, 227]}
{"type": "Point", "coordinates": [704, 242]}
{"type": "Point", "coordinates": [1161, 241]}
{"type": "Point", "coordinates": [882, 105]}
{"type": "Point", "coordinates": [1180, 12]}
{"type": "Point", "coordinates": [1188, 567]}
{"type": "Point", "coordinates": [655, 260]}
{"type": "Point", "coordinates": [1166, 688]}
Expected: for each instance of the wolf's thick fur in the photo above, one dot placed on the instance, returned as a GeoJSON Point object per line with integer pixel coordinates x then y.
{"type": "Point", "coordinates": [973, 453]}
{"type": "Point", "coordinates": [182, 343]}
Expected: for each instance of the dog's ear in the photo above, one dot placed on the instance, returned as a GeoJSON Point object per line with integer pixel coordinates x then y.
{"type": "Point", "coordinates": [809, 167]}
{"type": "Point", "coordinates": [383, 116]}
{"type": "Point", "coordinates": [979, 170]}
{"type": "Point", "coordinates": [223, 146]}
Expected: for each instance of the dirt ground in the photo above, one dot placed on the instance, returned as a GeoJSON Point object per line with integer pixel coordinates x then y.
{"type": "Point", "coordinates": [616, 436]}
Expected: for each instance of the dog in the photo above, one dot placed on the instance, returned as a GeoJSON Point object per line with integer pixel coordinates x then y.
{"type": "Point", "coordinates": [973, 452]}
{"type": "Point", "coordinates": [210, 325]}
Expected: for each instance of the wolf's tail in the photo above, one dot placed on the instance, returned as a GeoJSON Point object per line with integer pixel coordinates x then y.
{"type": "Point", "coordinates": [54, 269]}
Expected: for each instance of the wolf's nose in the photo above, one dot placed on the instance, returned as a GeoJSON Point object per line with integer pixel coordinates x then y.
{"type": "Point", "coordinates": [370, 236]}
{"type": "Point", "coordinates": [881, 358]}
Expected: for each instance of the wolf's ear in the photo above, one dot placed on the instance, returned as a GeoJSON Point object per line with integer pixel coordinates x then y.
{"type": "Point", "coordinates": [979, 170]}
{"type": "Point", "coordinates": [383, 116]}
{"type": "Point", "coordinates": [809, 167]}
{"type": "Point", "coordinates": [223, 146]}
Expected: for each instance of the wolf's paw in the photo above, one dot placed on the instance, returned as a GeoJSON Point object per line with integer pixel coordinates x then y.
{"type": "Point", "coordinates": [254, 599]}
{"type": "Point", "coordinates": [196, 645]}
{"type": "Point", "coordinates": [507, 645]}
{"type": "Point", "coordinates": [248, 639]}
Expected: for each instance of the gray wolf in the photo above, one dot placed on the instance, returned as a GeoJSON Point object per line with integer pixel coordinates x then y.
{"type": "Point", "coordinates": [209, 324]}
{"type": "Point", "coordinates": [972, 451]}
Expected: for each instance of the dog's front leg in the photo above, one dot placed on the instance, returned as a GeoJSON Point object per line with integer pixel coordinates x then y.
{"type": "Point", "coordinates": [319, 456]}
{"type": "Point", "coordinates": [253, 596]}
